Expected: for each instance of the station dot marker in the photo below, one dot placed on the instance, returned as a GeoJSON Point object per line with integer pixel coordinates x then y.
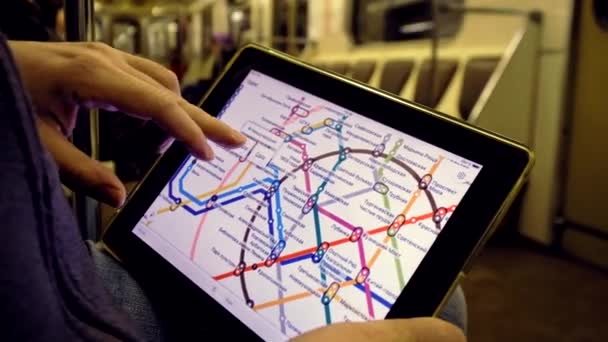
{"type": "Point", "coordinates": [254, 267]}
{"type": "Point", "coordinates": [214, 198]}
{"type": "Point", "coordinates": [250, 303]}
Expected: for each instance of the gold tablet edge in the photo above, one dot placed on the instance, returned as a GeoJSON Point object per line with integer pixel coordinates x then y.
{"type": "Point", "coordinates": [488, 233]}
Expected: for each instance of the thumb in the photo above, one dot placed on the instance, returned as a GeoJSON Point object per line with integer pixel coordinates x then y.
{"type": "Point", "coordinates": [78, 171]}
{"type": "Point", "coordinates": [404, 330]}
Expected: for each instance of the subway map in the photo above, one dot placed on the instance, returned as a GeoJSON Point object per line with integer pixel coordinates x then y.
{"type": "Point", "coordinates": [322, 216]}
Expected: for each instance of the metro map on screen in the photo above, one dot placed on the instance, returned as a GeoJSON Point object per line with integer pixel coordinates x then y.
{"type": "Point", "coordinates": [322, 216]}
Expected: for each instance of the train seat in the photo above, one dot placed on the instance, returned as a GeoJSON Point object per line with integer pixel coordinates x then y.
{"type": "Point", "coordinates": [477, 72]}
{"type": "Point", "coordinates": [460, 79]}
{"type": "Point", "coordinates": [395, 74]}
{"type": "Point", "coordinates": [320, 65]}
{"type": "Point", "coordinates": [463, 81]}
{"type": "Point", "coordinates": [339, 67]}
{"type": "Point", "coordinates": [362, 70]}
{"type": "Point", "coordinates": [445, 70]}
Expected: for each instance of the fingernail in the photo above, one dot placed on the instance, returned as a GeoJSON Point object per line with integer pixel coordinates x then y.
{"type": "Point", "coordinates": [208, 151]}
{"type": "Point", "coordinates": [119, 199]}
{"type": "Point", "coordinates": [238, 137]}
{"type": "Point", "coordinates": [112, 196]}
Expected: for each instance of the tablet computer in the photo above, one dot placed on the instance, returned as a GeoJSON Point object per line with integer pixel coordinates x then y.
{"type": "Point", "coordinates": [345, 204]}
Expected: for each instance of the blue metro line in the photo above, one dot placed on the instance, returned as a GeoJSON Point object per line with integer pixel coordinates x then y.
{"type": "Point", "coordinates": [197, 201]}
{"type": "Point", "coordinates": [226, 202]}
{"type": "Point", "coordinates": [171, 196]}
{"type": "Point", "coordinates": [236, 199]}
{"type": "Point", "coordinates": [374, 295]}
{"type": "Point", "coordinates": [277, 199]}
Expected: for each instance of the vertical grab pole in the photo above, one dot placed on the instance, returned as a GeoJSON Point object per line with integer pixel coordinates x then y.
{"type": "Point", "coordinates": [292, 17]}
{"type": "Point", "coordinates": [434, 48]}
{"type": "Point", "coordinates": [80, 27]}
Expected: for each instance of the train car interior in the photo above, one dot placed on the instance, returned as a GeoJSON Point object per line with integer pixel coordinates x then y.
{"type": "Point", "coordinates": [533, 71]}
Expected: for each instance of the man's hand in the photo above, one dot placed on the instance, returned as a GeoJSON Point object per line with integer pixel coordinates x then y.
{"type": "Point", "coordinates": [398, 330]}
{"type": "Point", "coordinates": [61, 77]}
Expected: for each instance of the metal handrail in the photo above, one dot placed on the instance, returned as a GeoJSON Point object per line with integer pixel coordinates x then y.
{"type": "Point", "coordinates": [80, 26]}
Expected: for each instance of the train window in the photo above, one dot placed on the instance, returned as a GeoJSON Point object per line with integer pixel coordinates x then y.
{"type": "Point", "coordinates": [239, 21]}
{"type": "Point", "coordinates": [162, 39]}
{"type": "Point", "coordinates": [207, 31]}
{"type": "Point", "coordinates": [290, 25]}
{"type": "Point", "coordinates": [126, 35]}
{"type": "Point", "coordinates": [98, 31]}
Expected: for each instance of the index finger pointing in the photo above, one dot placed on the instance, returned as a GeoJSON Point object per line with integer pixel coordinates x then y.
{"type": "Point", "coordinates": [107, 84]}
{"type": "Point", "coordinates": [214, 129]}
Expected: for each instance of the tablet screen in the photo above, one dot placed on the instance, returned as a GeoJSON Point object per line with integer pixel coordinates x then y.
{"type": "Point", "coordinates": [322, 216]}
